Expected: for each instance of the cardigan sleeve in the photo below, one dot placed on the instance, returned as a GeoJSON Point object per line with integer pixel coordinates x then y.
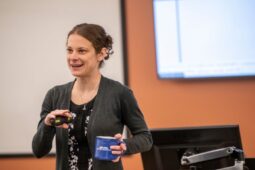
{"type": "Point", "coordinates": [42, 140]}
{"type": "Point", "coordinates": [133, 118]}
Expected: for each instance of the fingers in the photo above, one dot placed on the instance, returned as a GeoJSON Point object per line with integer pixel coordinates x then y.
{"type": "Point", "coordinates": [118, 149]}
{"type": "Point", "coordinates": [117, 159]}
{"type": "Point", "coordinates": [118, 136]}
{"type": "Point", "coordinates": [61, 113]}
{"type": "Point", "coordinates": [53, 114]}
{"type": "Point", "coordinates": [122, 144]}
{"type": "Point", "coordinates": [64, 125]}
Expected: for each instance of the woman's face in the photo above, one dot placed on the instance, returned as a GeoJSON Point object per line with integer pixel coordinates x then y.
{"type": "Point", "coordinates": [82, 59]}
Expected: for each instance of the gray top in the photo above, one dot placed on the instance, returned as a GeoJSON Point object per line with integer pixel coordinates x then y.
{"type": "Point", "coordinates": [114, 107]}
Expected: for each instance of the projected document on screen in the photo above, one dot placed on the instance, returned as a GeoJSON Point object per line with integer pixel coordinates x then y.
{"type": "Point", "coordinates": [204, 38]}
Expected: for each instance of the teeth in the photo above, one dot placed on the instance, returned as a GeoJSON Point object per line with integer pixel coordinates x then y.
{"type": "Point", "coordinates": [76, 65]}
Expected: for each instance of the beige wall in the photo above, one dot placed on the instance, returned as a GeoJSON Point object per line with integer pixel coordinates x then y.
{"type": "Point", "coordinates": [167, 103]}
{"type": "Point", "coordinates": [37, 31]}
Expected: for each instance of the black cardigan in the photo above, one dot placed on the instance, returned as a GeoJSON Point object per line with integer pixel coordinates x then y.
{"type": "Point", "coordinates": [114, 107]}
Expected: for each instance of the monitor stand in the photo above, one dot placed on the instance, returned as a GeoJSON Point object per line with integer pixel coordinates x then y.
{"type": "Point", "coordinates": [190, 159]}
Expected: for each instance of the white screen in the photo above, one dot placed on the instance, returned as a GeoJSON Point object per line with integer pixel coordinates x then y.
{"type": "Point", "coordinates": [204, 38]}
{"type": "Point", "coordinates": [33, 58]}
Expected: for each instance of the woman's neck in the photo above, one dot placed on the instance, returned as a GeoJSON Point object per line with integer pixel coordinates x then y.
{"type": "Point", "coordinates": [85, 89]}
{"type": "Point", "coordinates": [87, 84]}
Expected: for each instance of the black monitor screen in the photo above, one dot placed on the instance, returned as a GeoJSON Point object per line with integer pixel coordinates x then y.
{"type": "Point", "coordinates": [170, 145]}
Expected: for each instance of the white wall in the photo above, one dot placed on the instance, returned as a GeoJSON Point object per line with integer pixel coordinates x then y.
{"type": "Point", "coordinates": [32, 58]}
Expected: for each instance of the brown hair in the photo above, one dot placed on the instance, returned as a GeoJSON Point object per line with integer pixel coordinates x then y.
{"type": "Point", "coordinates": [96, 35]}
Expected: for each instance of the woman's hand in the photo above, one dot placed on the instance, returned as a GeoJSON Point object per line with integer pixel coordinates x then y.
{"type": "Point", "coordinates": [118, 149]}
{"type": "Point", "coordinates": [53, 114]}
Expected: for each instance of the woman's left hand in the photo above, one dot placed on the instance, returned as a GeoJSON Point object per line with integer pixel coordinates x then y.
{"type": "Point", "coordinates": [118, 149]}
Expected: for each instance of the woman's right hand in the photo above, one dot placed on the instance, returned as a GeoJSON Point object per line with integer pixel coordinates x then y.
{"type": "Point", "coordinates": [53, 114]}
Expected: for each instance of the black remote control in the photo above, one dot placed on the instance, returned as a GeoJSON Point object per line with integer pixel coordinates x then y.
{"type": "Point", "coordinates": [59, 120]}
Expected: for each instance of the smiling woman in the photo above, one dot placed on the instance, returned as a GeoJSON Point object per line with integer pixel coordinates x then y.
{"type": "Point", "coordinates": [98, 106]}
{"type": "Point", "coordinates": [82, 59]}
{"type": "Point", "coordinates": [33, 39]}
{"type": "Point", "coordinates": [89, 50]}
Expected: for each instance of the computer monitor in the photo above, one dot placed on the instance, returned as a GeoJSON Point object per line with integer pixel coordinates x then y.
{"type": "Point", "coordinates": [170, 145]}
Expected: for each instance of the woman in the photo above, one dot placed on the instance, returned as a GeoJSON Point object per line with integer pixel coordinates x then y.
{"type": "Point", "coordinates": [100, 107]}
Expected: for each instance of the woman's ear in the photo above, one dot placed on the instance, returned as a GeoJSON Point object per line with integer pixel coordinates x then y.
{"type": "Point", "coordinates": [102, 54]}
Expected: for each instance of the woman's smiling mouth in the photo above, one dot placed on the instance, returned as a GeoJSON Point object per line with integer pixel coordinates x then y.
{"type": "Point", "coordinates": [76, 65]}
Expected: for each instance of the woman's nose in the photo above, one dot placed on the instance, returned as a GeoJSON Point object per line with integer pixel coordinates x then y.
{"type": "Point", "coordinates": [73, 55]}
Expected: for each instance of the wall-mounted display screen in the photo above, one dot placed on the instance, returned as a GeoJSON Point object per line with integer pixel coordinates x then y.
{"type": "Point", "coordinates": [204, 38]}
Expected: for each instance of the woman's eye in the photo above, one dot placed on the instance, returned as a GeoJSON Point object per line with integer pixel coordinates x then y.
{"type": "Point", "coordinates": [69, 51]}
{"type": "Point", "coordinates": [81, 51]}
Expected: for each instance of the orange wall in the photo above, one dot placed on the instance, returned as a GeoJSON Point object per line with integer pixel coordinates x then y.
{"type": "Point", "coordinates": [48, 163]}
{"type": "Point", "coordinates": [171, 103]}
{"type": "Point", "coordinates": [27, 163]}
{"type": "Point", "coordinates": [176, 103]}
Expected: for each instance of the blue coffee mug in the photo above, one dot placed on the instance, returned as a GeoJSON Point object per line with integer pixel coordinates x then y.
{"type": "Point", "coordinates": [102, 147]}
